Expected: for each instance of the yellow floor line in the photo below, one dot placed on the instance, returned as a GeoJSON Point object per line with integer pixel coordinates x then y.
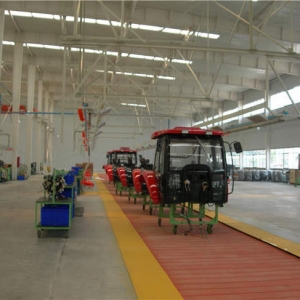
{"type": "Point", "coordinates": [149, 279]}
{"type": "Point", "coordinates": [265, 236]}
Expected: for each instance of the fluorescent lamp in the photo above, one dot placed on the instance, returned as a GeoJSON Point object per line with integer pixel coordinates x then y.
{"type": "Point", "coordinates": [20, 13]}
{"type": "Point", "coordinates": [70, 19]}
{"type": "Point", "coordinates": [112, 53]}
{"type": "Point", "coordinates": [166, 77]}
{"type": "Point", "coordinates": [103, 22]}
{"type": "Point", "coordinates": [53, 47]}
{"type": "Point", "coordinates": [33, 45]}
{"type": "Point", "coordinates": [89, 20]}
{"type": "Point", "coordinates": [75, 49]}
{"type": "Point", "coordinates": [133, 104]}
{"type": "Point", "coordinates": [181, 61]}
{"type": "Point", "coordinates": [171, 30]}
{"type": "Point", "coordinates": [42, 16]}
{"type": "Point", "coordinates": [116, 24]}
{"type": "Point", "coordinates": [207, 35]}
{"type": "Point", "coordinates": [8, 43]}
{"type": "Point", "coordinates": [149, 27]}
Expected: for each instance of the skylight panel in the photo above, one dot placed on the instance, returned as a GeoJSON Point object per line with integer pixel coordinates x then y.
{"type": "Point", "coordinates": [231, 111]}
{"type": "Point", "coordinates": [254, 103]}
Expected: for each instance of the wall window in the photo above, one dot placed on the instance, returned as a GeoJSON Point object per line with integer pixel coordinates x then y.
{"type": "Point", "coordinates": [254, 159]}
{"type": "Point", "coordinates": [235, 159]}
{"type": "Point", "coordinates": [284, 158]}
{"type": "Point", "coordinates": [281, 99]}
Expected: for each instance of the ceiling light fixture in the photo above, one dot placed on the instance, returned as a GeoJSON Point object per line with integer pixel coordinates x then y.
{"type": "Point", "coordinates": [133, 104]}
{"type": "Point", "coordinates": [115, 23]}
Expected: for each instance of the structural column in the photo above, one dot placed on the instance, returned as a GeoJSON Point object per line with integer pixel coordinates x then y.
{"type": "Point", "coordinates": [17, 76]}
{"type": "Point", "coordinates": [30, 102]}
{"type": "Point", "coordinates": [50, 134]}
{"type": "Point", "coordinates": [47, 127]}
{"type": "Point", "coordinates": [39, 126]}
{"type": "Point", "coordinates": [2, 17]}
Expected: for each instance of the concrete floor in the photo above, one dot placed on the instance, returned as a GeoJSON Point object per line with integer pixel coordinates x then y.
{"type": "Point", "coordinates": [272, 206]}
{"type": "Point", "coordinates": [88, 265]}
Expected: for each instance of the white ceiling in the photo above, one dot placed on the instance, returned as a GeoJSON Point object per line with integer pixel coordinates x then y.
{"type": "Point", "coordinates": [222, 69]}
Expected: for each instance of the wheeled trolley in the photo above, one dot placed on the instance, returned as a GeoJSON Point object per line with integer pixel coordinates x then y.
{"type": "Point", "coordinates": [54, 215]}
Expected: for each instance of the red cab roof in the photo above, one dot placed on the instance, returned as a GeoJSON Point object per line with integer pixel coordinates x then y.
{"type": "Point", "coordinates": [186, 130]}
{"type": "Point", "coordinates": [123, 150]}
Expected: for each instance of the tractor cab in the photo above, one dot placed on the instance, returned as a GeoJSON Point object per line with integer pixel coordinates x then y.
{"type": "Point", "coordinates": [108, 159]}
{"type": "Point", "coordinates": [189, 166]}
{"type": "Point", "coordinates": [123, 157]}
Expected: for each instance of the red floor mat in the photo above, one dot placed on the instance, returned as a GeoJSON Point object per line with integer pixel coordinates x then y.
{"type": "Point", "coordinates": [226, 264]}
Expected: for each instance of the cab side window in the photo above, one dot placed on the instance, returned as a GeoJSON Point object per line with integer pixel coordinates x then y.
{"type": "Point", "coordinates": [159, 156]}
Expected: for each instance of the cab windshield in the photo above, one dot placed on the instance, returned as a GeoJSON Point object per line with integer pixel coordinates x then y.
{"type": "Point", "coordinates": [206, 150]}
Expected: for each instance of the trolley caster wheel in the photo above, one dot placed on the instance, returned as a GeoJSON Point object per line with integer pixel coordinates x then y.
{"type": "Point", "coordinates": [144, 207]}
{"type": "Point", "coordinates": [159, 222]}
{"type": "Point", "coordinates": [39, 233]}
{"type": "Point", "coordinates": [209, 228]}
{"type": "Point", "coordinates": [175, 229]}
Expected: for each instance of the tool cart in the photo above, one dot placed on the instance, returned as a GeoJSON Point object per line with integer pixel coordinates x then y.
{"type": "Point", "coordinates": [53, 212]}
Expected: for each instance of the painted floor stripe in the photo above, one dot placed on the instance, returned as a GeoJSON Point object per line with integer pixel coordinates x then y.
{"type": "Point", "coordinates": [149, 279]}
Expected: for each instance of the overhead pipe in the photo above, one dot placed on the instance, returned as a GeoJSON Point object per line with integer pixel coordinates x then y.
{"type": "Point", "coordinates": [40, 113]}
